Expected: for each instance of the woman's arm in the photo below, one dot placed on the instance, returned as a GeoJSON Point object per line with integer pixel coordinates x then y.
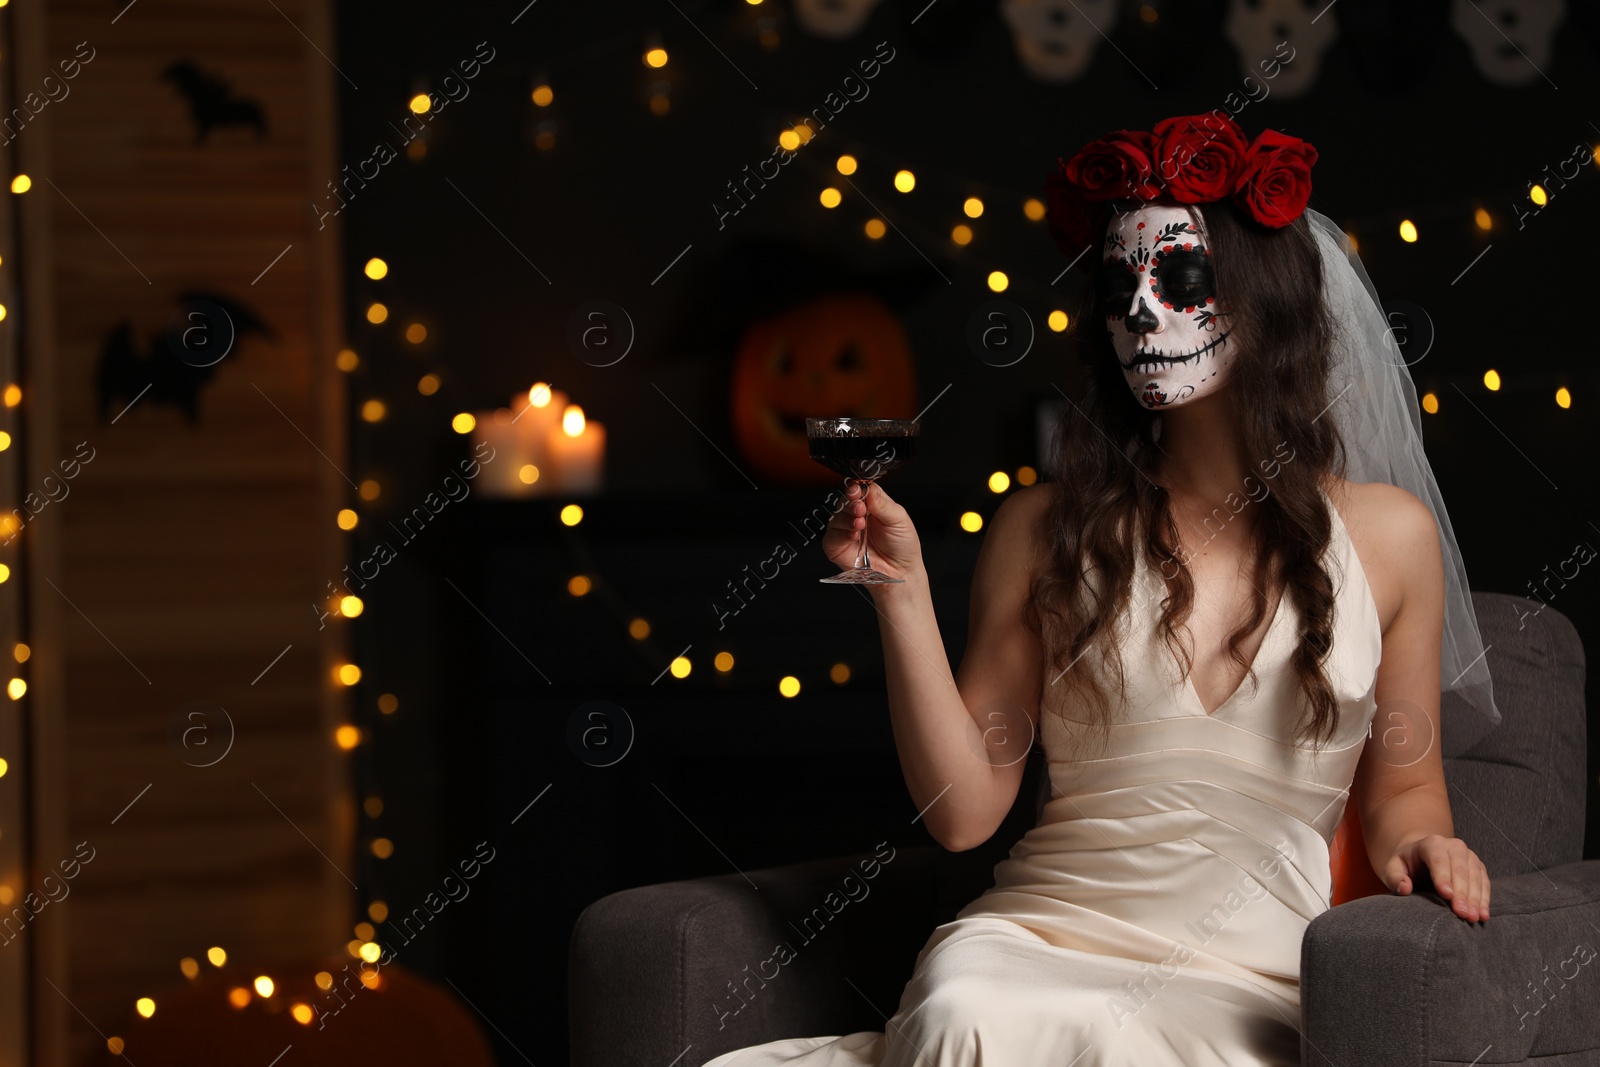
{"type": "Point", "coordinates": [962, 739]}
{"type": "Point", "coordinates": [1399, 783]}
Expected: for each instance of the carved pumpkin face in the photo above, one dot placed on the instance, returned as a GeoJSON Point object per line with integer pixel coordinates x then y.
{"type": "Point", "coordinates": [838, 355]}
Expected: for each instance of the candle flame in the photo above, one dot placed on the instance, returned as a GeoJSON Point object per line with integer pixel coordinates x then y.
{"type": "Point", "coordinates": [572, 420]}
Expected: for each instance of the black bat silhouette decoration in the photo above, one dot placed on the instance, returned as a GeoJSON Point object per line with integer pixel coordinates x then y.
{"type": "Point", "coordinates": [211, 101]}
{"type": "Point", "coordinates": [174, 365]}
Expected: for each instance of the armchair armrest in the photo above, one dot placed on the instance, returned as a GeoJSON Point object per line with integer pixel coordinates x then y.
{"type": "Point", "coordinates": [1394, 981]}
{"type": "Point", "coordinates": [709, 965]}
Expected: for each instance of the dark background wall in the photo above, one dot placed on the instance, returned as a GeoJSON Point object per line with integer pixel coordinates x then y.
{"type": "Point", "coordinates": [493, 242]}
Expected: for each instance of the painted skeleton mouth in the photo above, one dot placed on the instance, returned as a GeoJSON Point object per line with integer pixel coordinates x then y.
{"type": "Point", "coordinates": [1150, 362]}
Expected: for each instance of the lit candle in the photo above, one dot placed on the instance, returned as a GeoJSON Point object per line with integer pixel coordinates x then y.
{"type": "Point", "coordinates": [538, 414]}
{"type": "Point", "coordinates": [577, 458]}
{"type": "Point", "coordinates": [499, 476]}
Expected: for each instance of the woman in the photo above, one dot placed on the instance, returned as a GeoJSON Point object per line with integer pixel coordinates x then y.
{"type": "Point", "coordinates": [1197, 618]}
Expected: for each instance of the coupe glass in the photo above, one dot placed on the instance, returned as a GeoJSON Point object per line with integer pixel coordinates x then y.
{"type": "Point", "coordinates": [863, 450]}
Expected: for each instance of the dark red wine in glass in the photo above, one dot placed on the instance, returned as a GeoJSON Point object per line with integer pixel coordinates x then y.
{"type": "Point", "coordinates": [863, 450]}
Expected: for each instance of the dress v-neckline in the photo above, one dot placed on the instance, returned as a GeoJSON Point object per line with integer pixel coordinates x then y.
{"type": "Point", "coordinates": [1272, 628]}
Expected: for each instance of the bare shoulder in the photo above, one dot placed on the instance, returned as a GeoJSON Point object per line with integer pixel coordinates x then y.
{"type": "Point", "coordinates": [1395, 536]}
{"type": "Point", "coordinates": [1016, 536]}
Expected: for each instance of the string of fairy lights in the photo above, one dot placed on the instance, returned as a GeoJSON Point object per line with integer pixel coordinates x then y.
{"type": "Point", "coordinates": [955, 215]}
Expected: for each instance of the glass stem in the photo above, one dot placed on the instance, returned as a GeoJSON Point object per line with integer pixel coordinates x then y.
{"type": "Point", "coordinates": [863, 560]}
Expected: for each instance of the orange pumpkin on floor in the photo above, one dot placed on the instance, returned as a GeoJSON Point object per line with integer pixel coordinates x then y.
{"type": "Point", "coordinates": [838, 355]}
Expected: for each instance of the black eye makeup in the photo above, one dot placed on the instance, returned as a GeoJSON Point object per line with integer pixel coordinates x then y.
{"type": "Point", "coordinates": [1117, 283]}
{"type": "Point", "coordinates": [1182, 278]}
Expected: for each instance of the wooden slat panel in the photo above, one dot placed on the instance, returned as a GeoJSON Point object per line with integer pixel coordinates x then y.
{"type": "Point", "coordinates": [195, 550]}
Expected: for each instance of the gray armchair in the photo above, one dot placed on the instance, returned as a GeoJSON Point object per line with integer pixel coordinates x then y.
{"type": "Point", "coordinates": [671, 975]}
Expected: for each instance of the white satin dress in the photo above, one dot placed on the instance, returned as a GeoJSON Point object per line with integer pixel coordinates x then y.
{"type": "Point", "coordinates": [1154, 916]}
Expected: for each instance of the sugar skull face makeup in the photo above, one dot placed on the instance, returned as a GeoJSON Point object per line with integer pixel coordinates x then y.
{"type": "Point", "coordinates": [1167, 329]}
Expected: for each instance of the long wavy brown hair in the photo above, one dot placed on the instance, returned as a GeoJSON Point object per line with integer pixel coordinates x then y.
{"type": "Point", "coordinates": [1111, 504]}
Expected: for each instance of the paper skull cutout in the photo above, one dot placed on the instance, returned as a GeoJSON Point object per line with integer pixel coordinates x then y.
{"type": "Point", "coordinates": [1510, 39]}
{"type": "Point", "coordinates": [1056, 39]}
{"type": "Point", "coordinates": [1291, 35]}
{"type": "Point", "coordinates": [833, 18]}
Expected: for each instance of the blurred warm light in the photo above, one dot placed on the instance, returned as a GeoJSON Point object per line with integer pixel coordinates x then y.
{"type": "Point", "coordinates": [21, 183]}
{"type": "Point", "coordinates": [875, 228]}
{"type": "Point", "coordinates": [846, 165]}
{"type": "Point", "coordinates": [572, 420]}
{"type": "Point", "coordinates": [263, 986]}
{"type": "Point", "coordinates": [373, 806]}
{"type": "Point", "coordinates": [7, 894]}
{"type": "Point", "coordinates": [1563, 397]}
{"type": "Point", "coordinates": [15, 688]}
{"type": "Point", "coordinates": [905, 181]}
{"type": "Point", "coordinates": [660, 103]}
{"type": "Point", "coordinates": [373, 411]}
{"type": "Point", "coordinates": [388, 703]}
{"type": "Point", "coordinates": [1148, 14]}
{"type": "Point", "coordinates": [571, 515]}
{"type": "Point", "coordinates": [999, 482]}
{"type": "Point", "coordinates": [998, 281]}
{"type": "Point", "coordinates": [840, 673]}
{"type": "Point", "coordinates": [347, 360]}
{"type": "Point", "coordinates": [420, 104]}
{"type": "Point", "coordinates": [4, 767]}
{"type": "Point", "coordinates": [1355, 245]}
{"type": "Point", "coordinates": [463, 422]}
{"type": "Point", "coordinates": [1430, 403]}
{"type": "Point", "coordinates": [971, 521]}
{"type": "Point", "coordinates": [302, 1014]}
{"type": "Point", "coordinates": [13, 395]}
{"type": "Point", "coordinates": [539, 395]}
{"type": "Point", "coordinates": [1408, 231]}
{"type": "Point", "coordinates": [656, 57]}
{"type": "Point", "coordinates": [5, 571]}
{"type": "Point", "coordinates": [114, 1044]}
{"type": "Point", "coordinates": [789, 685]}
{"type": "Point", "coordinates": [382, 847]}
{"type": "Point", "coordinates": [145, 1007]}
{"type": "Point", "coordinates": [789, 140]}
{"type": "Point", "coordinates": [830, 197]}
{"type": "Point", "coordinates": [216, 956]}
{"type": "Point", "coordinates": [353, 947]}
{"type": "Point", "coordinates": [370, 489]}
{"type": "Point", "coordinates": [1481, 217]}
{"type": "Point", "coordinates": [376, 268]}
{"type": "Point", "coordinates": [21, 652]}
{"type": "Point", "coordinates": [579, 584]}
{"type": "Point", "coordinates": [1058, 320]}
{"type": "Point", "coordinates": [639, 629]}
{"type": "Point", "coordinates": [428, 384]}
{"type": "Point", "coordinates": [680, 666]}
{"type": "Point", "coordinates": [324, 980]}
{"type": "Point", "coordinates": [528, 474]}
{"type": "Point", "coordinates": [5, 440]}
{"type": "Point", "coordinates": [351, 606]}
{"type": "Point", "coordinates": [347, 737]}
{"type": "Point", "coordinates": [369, 977]}
{"type": "Point", "coordinates": [1033, 207]}
{"type": "Point", "coordinates": [804, 133]}
{"type": "Point", "coordinates": [189, 966]}
{"type": "Point", "coordinates": [723, 661]}
{"type": "Point", "coordinates": [347, 519]}
{"type": "Point", "coordinates": [377, 911]}
{"type": "Point", "coordinates": [365, 930]}
{"type": "Point", "coordinates": [973, 207]}
{"type": "Point", "coordinates": [348, 674]}
{"type": "Point", "coordinates": [377, 313]}
{"type": "Point", "coordinates": [416, 333]}
{"type": "Point", "coordinates": [370, 952]}
{"type": "Point", "coordinates": [961, 234]}
{"type": "Point", "coordinates": [1538, 195]}
{"type": "Point", "coordinates": [543, 95]}
{"type": "Point", "coordinates": [239, 996]}
{"type": "Point", "coordinates": [1491, 379]}
{"type": "Point", "coordinates": [1027, 475]}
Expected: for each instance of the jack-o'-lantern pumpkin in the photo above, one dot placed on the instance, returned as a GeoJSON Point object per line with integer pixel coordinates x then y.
{"type": "Point", "coordinates": [838, 355]}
